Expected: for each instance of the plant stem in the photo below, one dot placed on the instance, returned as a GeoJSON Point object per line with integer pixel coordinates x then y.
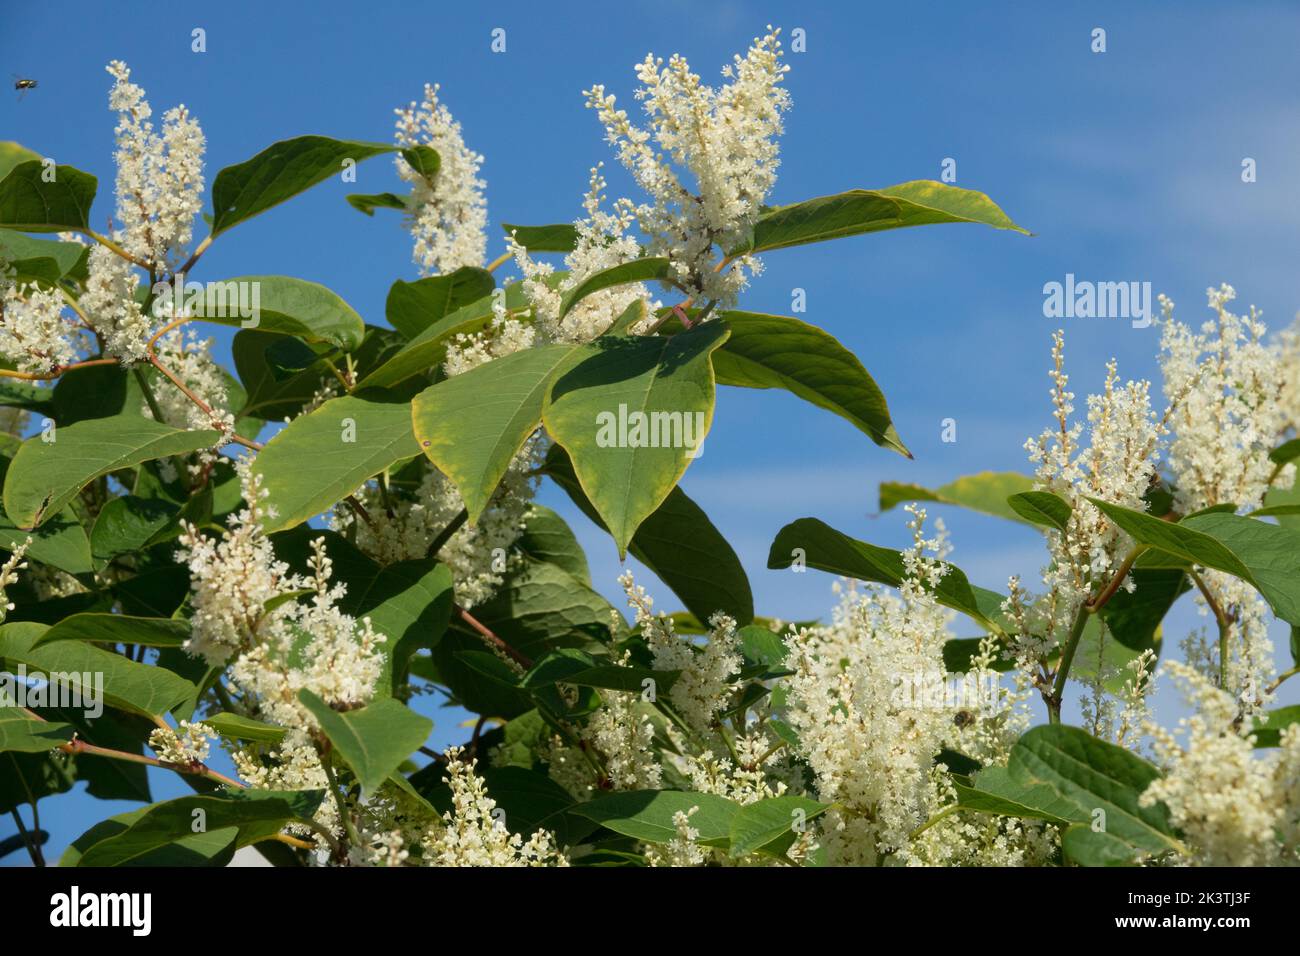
{"type": "Point", "coordinates": [110, 244]}
{"type": "Point", "coordinates": [345, 815]}
{"type": "Point", "coordinates": [30, 840]}
{"type": "Point", "coordinates": [496, 642]}
{"type": "Point", "coordinates": [149, 396]}
{"type": "Point", "coordinates": [444, 536]}
{"type": "Point", "coordinates": [54, 372]}
{"type": "Point", "coordinates": [499, 261]}
{"type": "Point", "coordinates": [189, 263]}
{"type": "Point", "coordinates": [1280, 678]}
{"type": "Point", "coordinates": [1089, 607]}
{"type": "Point", "coordinates": [1225, 626]}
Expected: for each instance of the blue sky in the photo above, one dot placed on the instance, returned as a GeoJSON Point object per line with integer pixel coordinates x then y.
{"type": "Point", "coordinates": [1125, 164]}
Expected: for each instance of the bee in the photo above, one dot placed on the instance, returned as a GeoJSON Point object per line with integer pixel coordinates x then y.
{"type": "Point", "coordinates": [23, 84]}
{"type": "Point", "coordinates": [963, 718]}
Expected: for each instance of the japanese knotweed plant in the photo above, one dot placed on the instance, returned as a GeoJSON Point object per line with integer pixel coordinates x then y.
{"type": "Point", "coordinates": [180, 573]}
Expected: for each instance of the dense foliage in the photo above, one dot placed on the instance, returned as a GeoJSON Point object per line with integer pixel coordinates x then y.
{"type": "Point", "coordinates": [172, 581]}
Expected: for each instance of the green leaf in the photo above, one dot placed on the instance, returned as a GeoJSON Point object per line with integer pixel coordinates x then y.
{"type": "Point", "coordinates": [38, 259]}
{"type": "Point", "coordinates": [472, 425]}
{"type": "Point", "coordinates": [593, 413]}
{"type": "Point", "coordinates": [375, 740]}
{"type": "Point", "coordinates": [118, 629]}
{"type": "Point", "coordinates": [129, 524]}
{"type": "Point", "coordinates": [924, 202]}
{"type": "Point", "coordinates": [255, 815]}
{"type": "Point", "coordinates": [269, 395]}
{"type": "Point", "coordinates": [758, 826]}
{"type": "Point", "coordinates": [280, 172]}
{"type": "Point", "coordinates": [1063, 775]}
{"type": "Point", "coordinates": [986, 492]}
{"type": "Point", "coordinates": [11, 154]}
{"type": "Point", "coordinates": [539, 608]}
{"type": "Point", "coordinates": [424, 160]}
{"type": "Point", "coordinates": [1042, 508]}
{"type": "Point", "coordinates": [959, 654]}
{"type": "Point", "coordinates": [648, 814]}
{"type": "Point", "coordinates": [30, 204]}
{"type": "Point", "coordinates": [820, 546]}
{"type": "Point", "coordinates": [139, 688]}
{"type": "Point", "coordinates": [1087, 847]}
{"type": "Point", "coordinates": [638, 270]}
{"type": "Point", "coordinates": [358, 439]}
{"type": "Point", "coordinates": [761, 644]}
{"type": "Point", "coordinates": [1264, 555]}
{"type": "Point", "coordinates": [573, 667]}
{"type": "Point", "coordinates": [556, 237]}
{"type": "Point", "coordinates": [413, 306]}
{"type": "Point", "coordinates": [1133, 617]}
{"type": "Point", "coordinates": [60, 542]}
{"type": "Point", "coordinates": [409, 602]}
{"type": "Point", "coordinates": [680, 545]}
{"type": "Point", "coordinates": [24, 734]}
{"type": "Point", "coordinates": [282, 304]}
{"type": "Point", "coordinates": [1286, 452]}
{"type": "Point", "coordinates": [1268, 726]}
{"type": "Point", "coordinates": [426, 352]}
{"type": "Point", "coordinates": [547, 537]}
{"type": "Point", "coordinates": [236, 727]}
{"type": "Point", "coordinates": [46, 475]}
{"type": "Point", "coordinates": [369, 203]}
{"type": "Point", "coordinates": [859, 211]}
{"type": "Point", "coordinates": [777, 351]}
{"type": "Point", "coordinates": [25, 395]}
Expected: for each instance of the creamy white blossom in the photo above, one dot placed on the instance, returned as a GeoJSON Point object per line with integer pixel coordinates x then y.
{"type": "Point", "coordinates": [448, 213]}
{"type": "Point", "coordinates": [474, 832]}
{"type": "Point", "coordinates": [189, 358]}
{"type": "Point", "coordinates": [35, 334]}
{"type": "Point", "coordinates": [159, 175]}
{"type": "Point", "coordinates": [1228, 385]}
{"type": "Point", "coordinates": [724, 138]}
{"type": "Point", "coordinates": [1234, 806]}
{"type": "Point", "coordinates": [187, 744]}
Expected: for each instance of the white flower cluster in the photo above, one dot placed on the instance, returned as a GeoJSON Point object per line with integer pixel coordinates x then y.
{"type": "Point", "coordinates": [233, 579]}
{"type": "Point", "coordinates": [404, 527]}
{"type": "Point", "coordinates": [448, 214]}
{"type": "Point", "coordinates": [159, 175]}
{"type": "Point", "coordinates": [189, 358]}
{"type": "Point", "coordinates": [1118, 465]}
{"type": "Point", "coordinates": [872, 749]}
{"type": "Point", "coordinates": [682, 849]}
{"type": "Point", "coordinates": [506, 334]}
{"type": "Point", "coordinates": [474, 832]}
{"type": "Point", "coordinates": [185, 745]}
{"type": "Point", "coordinates": [1234, 807]}
{"type": "Point", "coordinates": [9, 575]}
{"type": "Point", "coordinates": [622, 733]}
{"type": "Point", "coordinates": [704, 684]}
{"type": "Point", "coordinates": [1228, 385]}
{"type": "Point", "coordinates": [244, 607]}
{"type": "Point", "coordinates": [726, 138]}
{"type": "Point", "coordinates": [34, 332]}
{"type": "Point", "coordinates": [110, 304]}
{"type": "Point", "coordinates": [602, 243]}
